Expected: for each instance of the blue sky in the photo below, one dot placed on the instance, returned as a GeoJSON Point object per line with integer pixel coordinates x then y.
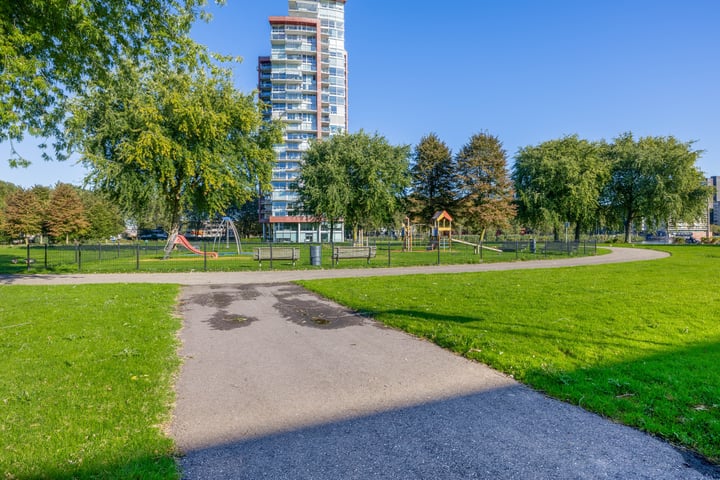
{"type": "Point", "coordinates": [524, 70]}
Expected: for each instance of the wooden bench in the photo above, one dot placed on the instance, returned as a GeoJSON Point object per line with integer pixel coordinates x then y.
{"type": "Point", "coordinates": [276, 253]}
{"type": "Point", "coordinates": [353, 252]}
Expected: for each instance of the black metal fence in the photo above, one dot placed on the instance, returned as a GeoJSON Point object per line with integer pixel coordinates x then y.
{"type": "Point", "coordinates": [148, 256]}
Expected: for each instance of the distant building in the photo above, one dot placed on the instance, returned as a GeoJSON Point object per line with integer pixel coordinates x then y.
{"type": "Point", "coordinates": [304, 82]}
{"type": "Point", "coordinates": [714, 182]}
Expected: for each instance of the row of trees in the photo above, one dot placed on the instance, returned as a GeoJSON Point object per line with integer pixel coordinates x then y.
{"type": "Point", "coordinates": [370, 183]}
{"type": "Point", "coordinates": [474, 184]}
{"type": "Point", "coordinates": [63, 213]}
{"type": "Point", "coordinates": [569, 181]}
{"type": "Point", "coordinates": [623, 184]}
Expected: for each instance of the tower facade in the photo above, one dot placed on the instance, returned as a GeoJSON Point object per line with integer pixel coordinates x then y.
{"type": "Point", "coordinates": [304, 83]}
{"type": "Point", "coordinates": [714, 182]}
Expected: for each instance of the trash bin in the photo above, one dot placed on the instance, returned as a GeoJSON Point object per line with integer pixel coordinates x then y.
{"type": "Point", "coordinates": [315, 256]}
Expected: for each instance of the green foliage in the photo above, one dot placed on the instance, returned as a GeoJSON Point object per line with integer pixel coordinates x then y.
{"type": "Point", "coordinates": [621, 340]}
{"type": "Point", "coordinates": [104, 217]}
{"type": "Point", "coordinates": [560, 181]}
{"type": "Point", "coordinates": [23, 214]}
{"type": "Point", "coordinates": [654, 179]}
{"type": "Point", "coordinates": [6, 189]}
{"type": "Point", "coordinates": [87, 382]}
{"type": "Point", "coordinates": [485, 189]}
{"type": "Point", "coordinates": [185, 141]}
{"type": "Point", "coordinates": [245, 216]}
{"type": "Point", "coordinates": [52, 49]}
{"type": "Point", "coordinates": [63, 212]}
{"type": "Point", "coordinates": [358, 177]}
{"type": "Point", "coordinates": [66, 216]}
{"type": "Point", "coordinates": [433, 179]}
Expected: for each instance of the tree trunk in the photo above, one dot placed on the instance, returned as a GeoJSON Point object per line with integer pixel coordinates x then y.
{"type": "Point", "coordinates": [627, 224]}
{"type": "Point", "coordinates": [170, 245]}
{"type": "Point", "coordinates": [577, 232]}
{"type": "Point", "coordinates": [174, 225]}
{"type": "Point", "coordinates": [332, 238]}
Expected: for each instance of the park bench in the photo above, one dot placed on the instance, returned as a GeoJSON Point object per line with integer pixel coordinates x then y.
{"type": "Point", "coordinates": [560, 247]}
{"type": "Point", "coordinates": [515, 246]}
{"type": "Point", "coordinates": [276, 253]}
{"type": "Point", "coordinates": [353, 252]}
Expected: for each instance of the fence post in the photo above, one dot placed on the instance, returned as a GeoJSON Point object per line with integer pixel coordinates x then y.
{"type": "Point", "coordinates": [46, 249]}
{"type": "Point", "coordinates": [205, 254]}
{"type": "Point", "coordinates": [481, 249]}
{"type": "Point", "coordinates": [517, 249]}
{"type": "Point", "coordinates": [137, 256]}
{"type": "Point", "coordinates": [27, 257]}
{"type": "Point", "coordinates": [79, 256]}
{"type": "Point", "coordinates": [388, 234]}
{"type": "Point", "coordinates": [271, 255]}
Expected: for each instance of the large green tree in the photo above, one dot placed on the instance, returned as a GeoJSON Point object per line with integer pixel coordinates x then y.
{"type": "Point", "coordinates": [6, 188]}
{"type": "Point", "coordinates": [51, 50]}
{"type": "Point", "coordinates": [655, 180]}
{"type": "Point", "coordinates": [356, 177]}
{"type": "Point", "coordinates": [23, 214]}
{"type": "Point", "coordinates": [433, 178]}
{"type": "Point", "coordinates": [485, 190]}
{"type": "Point", "coordinates": [104, 217]}
{"type": "Point", "coordinates": [186, 140]}
{"type": "Point", "coordinates": [65, 215]}
{"type": "Point", "coordinates": [560, 181]}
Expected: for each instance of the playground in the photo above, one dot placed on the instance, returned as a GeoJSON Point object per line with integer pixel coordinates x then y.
{"type": "Point", "coordinates": [218, 247]}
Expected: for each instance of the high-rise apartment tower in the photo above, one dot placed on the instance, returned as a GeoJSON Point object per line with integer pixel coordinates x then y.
{"type": "Point", "coordinates": [304, 81]}
{"type": "Point", "coordinates": [714, 182]}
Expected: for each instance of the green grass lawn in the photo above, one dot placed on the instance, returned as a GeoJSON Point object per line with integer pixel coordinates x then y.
{"type": "Point", "coordinates": [637, 342]}
{"type": "Point", "coordinates": [86, 383]}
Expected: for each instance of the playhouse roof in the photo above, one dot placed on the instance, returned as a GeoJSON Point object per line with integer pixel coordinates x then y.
{"type": "Point", "coordinates": [441, 215]}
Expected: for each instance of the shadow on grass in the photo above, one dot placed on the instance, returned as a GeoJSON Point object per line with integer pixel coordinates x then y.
{"type": "Point", "coordinates": [521, 328]}
{"type": "Point", "coordinates": [674, 394]}
{"type": "Point", "coordinates": [144, 466]}
{"type": "Point", "coordinates": [13, 263]}
{"type": "Point", "coordinates": [659, 387]}
{"type": "Point", "coordinates": [505, 433]}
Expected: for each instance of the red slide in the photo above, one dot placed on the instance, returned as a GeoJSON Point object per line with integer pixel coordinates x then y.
{"type": "Point", "coordinates": [181, 240]}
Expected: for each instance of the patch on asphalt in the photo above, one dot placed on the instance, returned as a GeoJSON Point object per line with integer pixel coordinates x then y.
{"type": "Point", "coordinates": [304, 308]}
{"type": "Point", "coordinates": [221, 300]}
{"type": "Point", "coordinates": [223, 320]}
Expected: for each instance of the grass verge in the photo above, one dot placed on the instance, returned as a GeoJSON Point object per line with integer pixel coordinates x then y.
{"type": "Point", "coordinates": [87, 380]}
{"type": "Point", "coordinates": [638, 342]}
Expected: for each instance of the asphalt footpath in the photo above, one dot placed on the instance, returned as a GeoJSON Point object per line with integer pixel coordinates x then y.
{"type": "Point", "coordinates": [278, 383]}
